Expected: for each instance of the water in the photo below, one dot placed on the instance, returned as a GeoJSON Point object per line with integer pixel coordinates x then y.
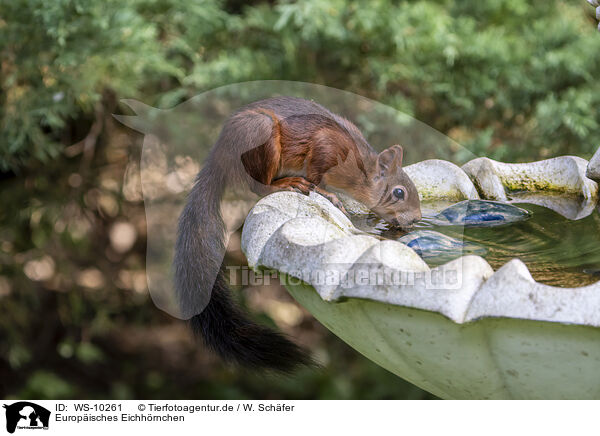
{"type": "Point", "coordinates": [479, 213]}
{"type": "Point", "coordinates": [437, 247]}
{"type": "Point", "coordinates": [558, 251]}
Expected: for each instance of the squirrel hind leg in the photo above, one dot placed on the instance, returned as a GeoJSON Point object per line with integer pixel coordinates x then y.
{"type": "Point", "coordinates": [296, 184]}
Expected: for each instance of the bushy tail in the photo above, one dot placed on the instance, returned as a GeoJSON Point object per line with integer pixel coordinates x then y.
{"type": "Point", "coordinates": [198, 255]}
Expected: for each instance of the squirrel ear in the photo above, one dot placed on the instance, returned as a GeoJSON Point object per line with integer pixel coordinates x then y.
{"type": "Point", "coordinates": [390, 158]}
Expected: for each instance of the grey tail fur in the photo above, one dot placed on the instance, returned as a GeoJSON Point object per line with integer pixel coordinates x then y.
{"type": "Point", "coordinates": [197, 265]}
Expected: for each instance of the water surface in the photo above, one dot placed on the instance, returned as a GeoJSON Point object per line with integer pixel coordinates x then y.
{"type": "Point", "coordinates": [558, 251]}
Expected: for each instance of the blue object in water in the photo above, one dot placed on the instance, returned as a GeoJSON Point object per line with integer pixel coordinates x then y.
{"type": "Point", "coordinates": [480, 213]}
{"type": "Point", "coordinates": [429, 244]}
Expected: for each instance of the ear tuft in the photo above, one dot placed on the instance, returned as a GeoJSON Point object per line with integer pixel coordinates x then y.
{"type": "Point", "coordinates": [390, 158]}
{"type": "Point", "coordinates": [399, 154]}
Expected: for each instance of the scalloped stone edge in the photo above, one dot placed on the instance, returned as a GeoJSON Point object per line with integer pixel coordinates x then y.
{"type": "Point", "coordinates": [593, 169]}
{"type": "Point", "coordinates": [308, 238]}
{"type": "Point", "coordinates": [485, 178]}
{"type": "Point", "coordinates": [564, 174]}
{"type": "Point", "coordinates": [440, 179]}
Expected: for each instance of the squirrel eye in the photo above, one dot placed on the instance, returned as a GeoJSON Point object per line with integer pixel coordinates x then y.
{"type": "Point", "coordinates": [398, 193]}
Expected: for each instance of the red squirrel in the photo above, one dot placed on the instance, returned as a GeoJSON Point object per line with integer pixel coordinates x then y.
{"type": "Point", "coordinates": [281, 143]}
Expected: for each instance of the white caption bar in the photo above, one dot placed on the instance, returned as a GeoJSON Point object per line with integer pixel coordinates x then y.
{"type": "Point", "coordinates": [297, 417]}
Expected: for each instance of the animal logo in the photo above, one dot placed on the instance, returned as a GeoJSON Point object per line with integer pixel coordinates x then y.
{"type": "Point", "coordinates": [26, 415]}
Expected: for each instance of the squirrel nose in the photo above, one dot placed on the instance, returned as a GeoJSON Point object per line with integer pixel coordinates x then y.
{"type": "Point", "coordinates": [411, 222]}
{"type": "Point", "coordinates": [416, 219]}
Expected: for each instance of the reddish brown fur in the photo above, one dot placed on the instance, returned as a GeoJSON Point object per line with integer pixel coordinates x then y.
{"type": "Point", "coordinates": [309, 149]}
{"type": "Point", "coordinates": [310, 145]}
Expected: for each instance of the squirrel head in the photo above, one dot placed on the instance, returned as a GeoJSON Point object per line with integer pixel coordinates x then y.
{"type": "Point", "coordinates": [394, 196]}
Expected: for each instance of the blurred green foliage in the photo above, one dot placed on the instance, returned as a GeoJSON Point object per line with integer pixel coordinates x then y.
{"type": "Point", "coordinates": [510, 79]}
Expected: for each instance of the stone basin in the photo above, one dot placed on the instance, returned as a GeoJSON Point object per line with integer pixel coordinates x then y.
{"type": "Point", "coordinates": [491, 358]}
{"type": "Point", "coordinates": [459, 330]}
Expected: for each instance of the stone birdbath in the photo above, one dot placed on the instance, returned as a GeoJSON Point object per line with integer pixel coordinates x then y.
{"type": "Point", "coordinates": [459, 330]}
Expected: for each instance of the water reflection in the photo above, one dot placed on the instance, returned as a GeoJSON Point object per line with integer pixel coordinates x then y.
{"type": "Point", "coordinates": [569, 206]}
{"type": "Point", "coordinates": [479, 213]}
{"type": "Point", "coordinates": [558, 251]}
